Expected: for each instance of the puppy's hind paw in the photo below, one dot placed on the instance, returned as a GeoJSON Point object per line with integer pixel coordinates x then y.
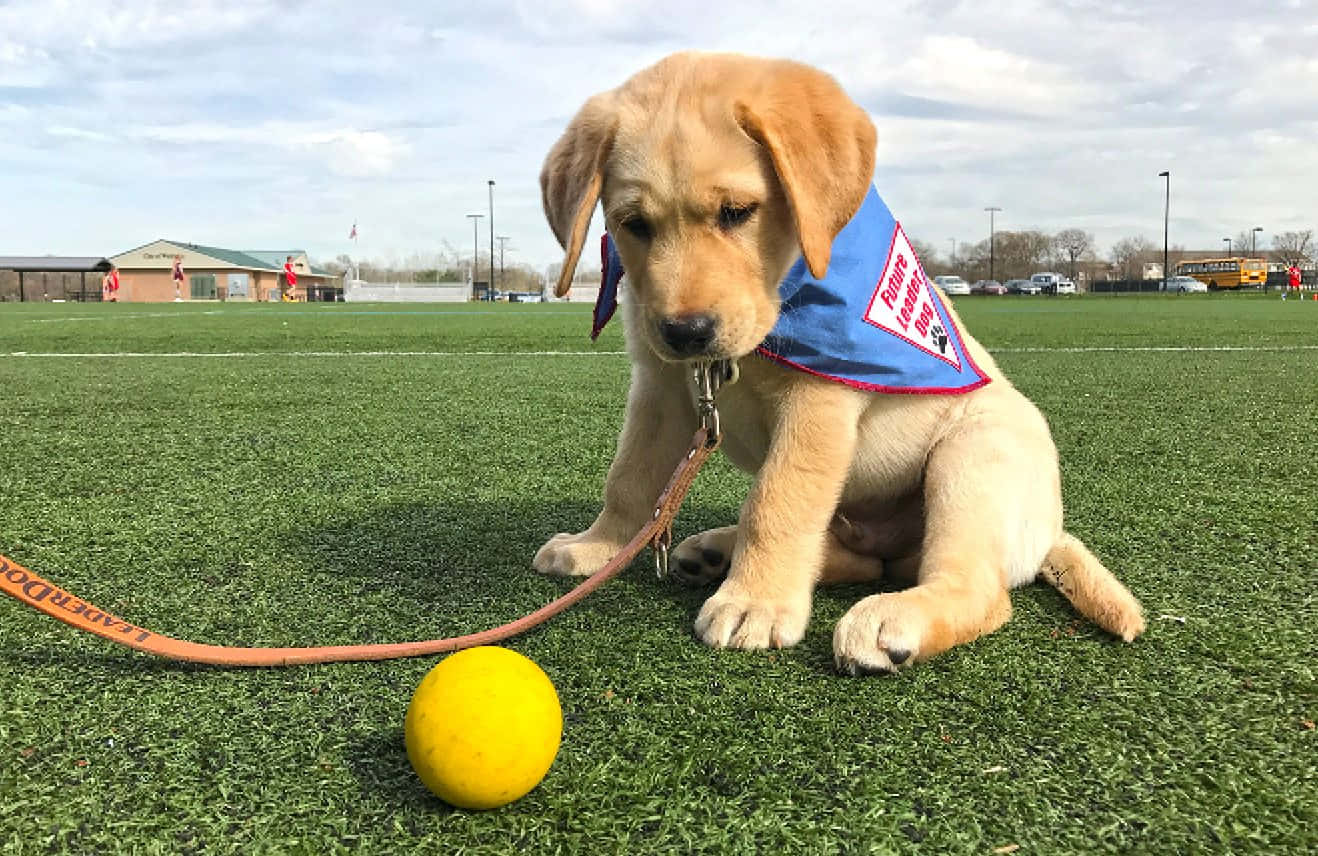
{"type": "Point", "coordinates": [875, 636]}
{"type": "Point", "coordinates": [704, 558]}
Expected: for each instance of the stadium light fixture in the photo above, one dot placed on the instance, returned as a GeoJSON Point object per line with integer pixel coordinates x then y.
{"type": "Point", "coordinates": [1166, 213]}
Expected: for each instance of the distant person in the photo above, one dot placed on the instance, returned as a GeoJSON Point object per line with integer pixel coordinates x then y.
{"type": "Point", "coordinates": [1294, 279]}
{"type": "Point", "coordinates": [178, 278]}
{"type": "Point", "coordinates": [110, 285]}
{"type": "Point", "coordinates": [290, 279]}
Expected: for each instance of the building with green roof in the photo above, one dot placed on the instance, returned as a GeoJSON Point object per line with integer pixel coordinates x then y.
{"type": "Point", "coordinates": [216, 273]}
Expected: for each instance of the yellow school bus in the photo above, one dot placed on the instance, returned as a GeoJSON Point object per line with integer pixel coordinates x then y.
{"type": "Point", "coordinates": [1226, 273]}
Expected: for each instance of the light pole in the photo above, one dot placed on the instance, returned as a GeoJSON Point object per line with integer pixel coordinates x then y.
{"type": "Point", "coordinates": [953, 240]}
{"type": "Point", "coordinates": [1252, 233]}
{"type": "Point", "coordinates": [490, 291]}
{"type": "Point", "coordinates": [991, 210]}
{"type": "Point", "coordinates": [1166, 213]}
{"type": "Point", "coordinates": [475, 247]}
{"type": "Point", "coordinates": [1227, 241]}
{"type": "Point", "coordinates": [502, 239]}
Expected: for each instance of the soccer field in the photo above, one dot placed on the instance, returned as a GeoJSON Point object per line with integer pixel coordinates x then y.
{"type": "Point", "coordinates": [331, 474]}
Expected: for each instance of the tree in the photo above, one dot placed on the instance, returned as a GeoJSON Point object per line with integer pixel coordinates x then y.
{"type": "Point", "coordinates": [1245, 244]}
{"type": "Point", "coordinates": [928, 258]}
{"type": "Point", "coordinates": [1015, 255]}
{"type": "Point", "coordinates": [1075, 244]}
{"type": "Point", "coordinates": [1293, 248]}
{"type": "Point", "coordinates": [1130, 254]}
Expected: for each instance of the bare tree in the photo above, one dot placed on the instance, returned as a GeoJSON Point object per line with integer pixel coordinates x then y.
{"type": "Point", "coordinates": [1129, 254]}
{"type": "Point", "coordinates": [1245, 244]}
{"type": "Point", "coordinates": [1019, 254]}
{"type": "Point", "coordinates": [929, 259]}
{"type": "Point", "coordinates": [1293, 248]}
{"type": "Point", "coordinates": [1075, 243]}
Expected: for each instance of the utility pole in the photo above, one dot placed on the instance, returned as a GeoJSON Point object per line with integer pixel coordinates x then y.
{"type": "Point", "coordinates": [502, 239]}
{"type": "Point", "coordinates": [491, 289]}
{"type": "Point", "coordinates": [1166, 213]}
{"type": "Point", "coordinates": [475, 247]}
{"type": "Point", "coordinates": [992, 209]}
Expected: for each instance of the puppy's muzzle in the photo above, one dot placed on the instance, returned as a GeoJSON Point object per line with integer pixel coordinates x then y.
{"type": "Point", "coordinates": [688, 335]}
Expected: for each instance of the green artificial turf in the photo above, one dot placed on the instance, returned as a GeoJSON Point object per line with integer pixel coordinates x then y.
{"type": "Point", "coordinates": [280, 498]}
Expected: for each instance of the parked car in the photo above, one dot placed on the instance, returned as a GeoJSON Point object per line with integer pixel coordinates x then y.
{"type": "Point", "coordinates": [1022, 286]}
{"type": "Point", "coordinates": [1183, 284]}
{"type": "Point", "coordinates": [1053, 283]}
{"type": "Point", "coordinates": [952, 285]}
{"type": "Point", "coordinates": [988, 286]}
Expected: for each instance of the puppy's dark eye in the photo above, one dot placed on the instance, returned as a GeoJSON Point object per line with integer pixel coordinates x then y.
{"type": "Point", "coordinates": [731, 216]}
{"type": "Point", "coordinates": [638, 226]}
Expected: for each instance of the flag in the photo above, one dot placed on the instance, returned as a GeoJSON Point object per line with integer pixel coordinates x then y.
{"type": "Point", "coordinates": [352, 236]}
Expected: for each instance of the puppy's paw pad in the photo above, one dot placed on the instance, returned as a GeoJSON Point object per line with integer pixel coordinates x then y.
{"type": "Point", "coordinates": [569, 555]}
{"type": "Point", "coordinates": [704, 558]}
{"type": "Point", "coordinates": [737, 620]}
{"type": "Point", "coordinates": [876, 636]}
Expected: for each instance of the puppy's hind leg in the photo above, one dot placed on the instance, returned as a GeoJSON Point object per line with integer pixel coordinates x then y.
{"type": "Point", "coordinates": [980, 489]}
{"type": "Point", "coordinates": [704, 558]}
{"type": "Point", "coordinates": [1091, 588]}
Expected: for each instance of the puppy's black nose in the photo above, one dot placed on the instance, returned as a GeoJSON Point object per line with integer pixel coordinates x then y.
{"type": "Point", "coordinates": [688, 335]}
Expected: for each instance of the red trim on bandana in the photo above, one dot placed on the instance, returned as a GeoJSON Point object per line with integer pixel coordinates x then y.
{"type": "Point", "coordinates": [874, 387]}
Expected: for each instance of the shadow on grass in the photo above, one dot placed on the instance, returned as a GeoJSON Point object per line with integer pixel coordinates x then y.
{"type": "Point", "coordinates": [379, 763]}
{"type": "Point", "coordinates": [439, 551]}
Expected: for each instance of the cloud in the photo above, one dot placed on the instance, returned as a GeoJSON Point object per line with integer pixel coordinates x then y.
{"type": "Point", "coordinates": [189, 115]}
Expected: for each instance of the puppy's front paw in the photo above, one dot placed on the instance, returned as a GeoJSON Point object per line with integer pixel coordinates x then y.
{"type": "Point", "coordinates": [704, 558]}
{"type": "Point", "coordinates": [569, 555]}
{"type": "Point", "coordinates": [734, 618]}
{"type": "Point", "coordinates": [878, 634]}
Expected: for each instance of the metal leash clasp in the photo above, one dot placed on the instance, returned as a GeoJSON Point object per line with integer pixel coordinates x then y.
{"type": "Point", "coordinates": [709, 377]}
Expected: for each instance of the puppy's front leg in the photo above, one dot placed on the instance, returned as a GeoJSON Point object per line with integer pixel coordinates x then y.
{"type": "Point", "coordinates": [656, 432]}
{"type": "Point", "coordinates": [782, 532]}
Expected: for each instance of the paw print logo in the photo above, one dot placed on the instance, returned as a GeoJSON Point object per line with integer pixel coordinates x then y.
{"type": "Point", "coordinates": [940, 336]}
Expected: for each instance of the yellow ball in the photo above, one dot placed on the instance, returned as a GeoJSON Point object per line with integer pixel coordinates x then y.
{"type": "Point", "coordinates": [483, 727]}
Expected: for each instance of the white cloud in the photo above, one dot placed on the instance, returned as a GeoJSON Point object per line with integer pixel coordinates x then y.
{"type": "Point", "coordinates": [1060, 111]}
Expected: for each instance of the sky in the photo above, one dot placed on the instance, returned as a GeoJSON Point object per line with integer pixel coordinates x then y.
{"type": "Point", "coordinates": [272, 124]}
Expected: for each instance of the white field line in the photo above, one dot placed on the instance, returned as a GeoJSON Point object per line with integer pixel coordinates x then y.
{"type": "Point", "coordinates": [282, 314]}
{"type": "Point", "coordinates": [1129, 349]}
{"type": "Point", "coordinates": [119, 317]}
{"type": "Point", "coordinates": [241, 354]}
{"type": "Point", "coordinates": [1089, 349]}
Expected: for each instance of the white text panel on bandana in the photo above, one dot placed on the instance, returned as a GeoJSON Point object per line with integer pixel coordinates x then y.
{"type": "Point", "coordinates": [903, 306]}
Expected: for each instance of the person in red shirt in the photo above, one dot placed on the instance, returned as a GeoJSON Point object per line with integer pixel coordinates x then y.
{"type": "Point", "coordinates": [290, 278]}
{"type": "Point", "coordinates": [1295, 277]}
{"type": "Point", "coordinates": [178, 278]}
{"type": "Point", "coordinates": [110, 285]}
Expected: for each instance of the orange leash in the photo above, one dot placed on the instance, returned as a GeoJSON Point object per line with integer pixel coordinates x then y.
{"type": "Point", "coordinates": [20, 583]}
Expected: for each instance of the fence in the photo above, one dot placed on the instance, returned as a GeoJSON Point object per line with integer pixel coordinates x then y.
{"type": "Point", "coordinates": [1277, 279]}
{"type": "Point", "coordinates": [40, 286]}
{"type": "Point", "coordinates": [360, 291]}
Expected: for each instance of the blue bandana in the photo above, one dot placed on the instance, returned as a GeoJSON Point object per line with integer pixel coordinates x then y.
{"type": "Point", "coordinates": [874, 321]}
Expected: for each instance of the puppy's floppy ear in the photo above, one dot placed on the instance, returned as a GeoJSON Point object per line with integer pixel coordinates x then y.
{"type": "Point", "coordinates": [572, 177]}
{"type": "Point", "coordinates": [822, 146]}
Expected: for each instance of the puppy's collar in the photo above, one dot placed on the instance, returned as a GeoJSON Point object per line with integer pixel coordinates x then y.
{"type": "Point", "coordinates": [874, 321]}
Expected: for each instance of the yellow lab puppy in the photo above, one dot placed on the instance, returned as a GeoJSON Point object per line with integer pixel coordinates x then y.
{"type": "Point", "coordinates": [717, 173]}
